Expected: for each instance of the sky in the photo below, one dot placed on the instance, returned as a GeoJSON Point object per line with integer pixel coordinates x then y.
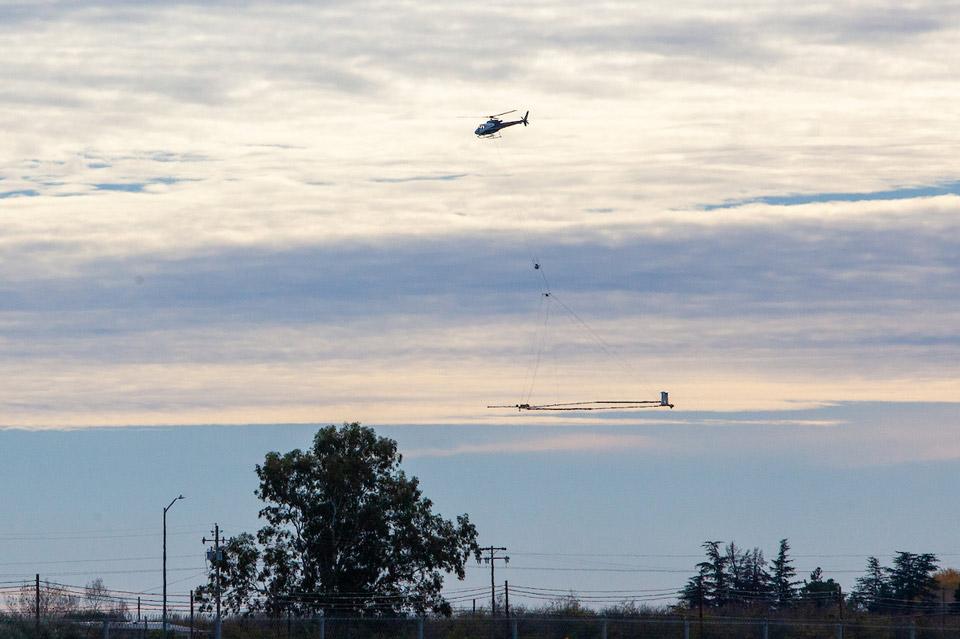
{"type": "Point", "coordinates": [226, 224]}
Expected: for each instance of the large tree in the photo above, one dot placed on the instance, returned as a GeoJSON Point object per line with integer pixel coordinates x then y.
{"type": "Point", "coordinates": [347, 532]}
{"type": "Point", "coordinates": [911, 579]}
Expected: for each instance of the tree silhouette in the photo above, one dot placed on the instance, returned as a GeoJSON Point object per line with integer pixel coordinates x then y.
{"type": "Point", "coordinates": [347, 531]}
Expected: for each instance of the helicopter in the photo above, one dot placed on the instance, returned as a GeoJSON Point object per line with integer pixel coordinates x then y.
{"type": "Point", "coordinates": [494, 124]}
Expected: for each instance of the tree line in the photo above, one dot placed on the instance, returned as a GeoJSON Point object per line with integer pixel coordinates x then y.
{"type": "Point", "coordinates": [93, 601]}
{"type": "Point", "coordinates": [732, 578]}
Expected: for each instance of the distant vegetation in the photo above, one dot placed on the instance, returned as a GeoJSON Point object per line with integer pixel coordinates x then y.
{"type": "Point", "coordinates": [734, 580]}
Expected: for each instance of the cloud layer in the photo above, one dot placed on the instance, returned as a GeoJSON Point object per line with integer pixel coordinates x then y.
{"type": "Point", "coordinates": [248, 212]}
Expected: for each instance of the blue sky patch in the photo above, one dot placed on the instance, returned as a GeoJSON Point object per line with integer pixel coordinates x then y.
{"type": "Point", "coordinates": [420, 178]}
{"type": "Point", "coordinates": [20, 193]}
{"type": "Point", "coordinates": [135, 187]}
{"type": "Point", "coordinates": [166, 156]}
{"type": "Point", "coordinates": [949, 188]}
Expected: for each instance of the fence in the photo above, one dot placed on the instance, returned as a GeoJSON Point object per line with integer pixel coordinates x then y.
{"type": "Point", "coordinates": [479, 627]}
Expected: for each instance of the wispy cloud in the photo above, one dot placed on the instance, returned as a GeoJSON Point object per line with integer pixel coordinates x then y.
{"type": "Point", "coordinates": [574, 442]}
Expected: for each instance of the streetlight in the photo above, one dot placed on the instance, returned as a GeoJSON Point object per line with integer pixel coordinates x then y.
{"type": "Point", "coordinates": [164, 632]}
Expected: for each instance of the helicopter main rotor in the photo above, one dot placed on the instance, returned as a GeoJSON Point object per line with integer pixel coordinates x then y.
{"type": "Point", "coordinates": [489, 117]}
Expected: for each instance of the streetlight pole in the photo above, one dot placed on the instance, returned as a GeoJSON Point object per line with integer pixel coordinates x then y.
{"type": "Point", "coordinates": [164, 632]}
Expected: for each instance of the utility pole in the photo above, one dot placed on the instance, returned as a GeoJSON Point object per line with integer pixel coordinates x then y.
{"type": "Point", "coordinates": [840, 602]}
{"type": "Point", "coordinates": [492, 560]}
{"type": "Point", "coordinates": [215, 557]}
{"type": "Point", "coordinates": [506, 606]}
{"type": "Point", "coordinates": [37, 618]}
{"type": "Point", "coordinates": [506, 599]}
{"type": "Point", "coordinates": [840, 610]}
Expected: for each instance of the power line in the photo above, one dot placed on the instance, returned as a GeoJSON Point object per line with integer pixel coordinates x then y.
{"type": "Point", "coordinates": [562, 569]}
{"type": "Point", "coordinates": [568, 554]}
{"type": "Point", "coordinates": [70, 536]}
{"type": "Point", "coordinates": [178, 581]}
{"type": "Point", "coordinates": [84, 561]}
{"type": "Point", "coordinates": [694, 556]}
{"type": "Point", "coordinates": [105, 572]}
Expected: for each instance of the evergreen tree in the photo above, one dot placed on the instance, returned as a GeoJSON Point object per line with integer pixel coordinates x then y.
{"type": "Point", "coordinates": [735, 571]}
{"type": "Point", "coordinates": [757, 584]}
{"type": "Point", "coordinates": [817, 591]}
{"type": "Point", "coordinates": [911, 579]}
{"type": "Point", "coordinates": [693, 594]}
{"type": "Point", "coordinates": [783, 585]}
{"type": "Point", "coordinates": [729, 576]}
{"type": "Point", "coordinates": [716, 588]}
{"type": "Point", "coordinates": [872, 589]}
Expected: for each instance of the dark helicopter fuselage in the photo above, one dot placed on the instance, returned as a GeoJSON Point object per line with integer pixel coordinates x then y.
{"type": "Point", "coordinates": [494, 125]}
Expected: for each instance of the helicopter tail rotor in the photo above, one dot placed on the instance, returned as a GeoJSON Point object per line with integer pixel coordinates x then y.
{"type": "Point", "coordinates": [524, 119]}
